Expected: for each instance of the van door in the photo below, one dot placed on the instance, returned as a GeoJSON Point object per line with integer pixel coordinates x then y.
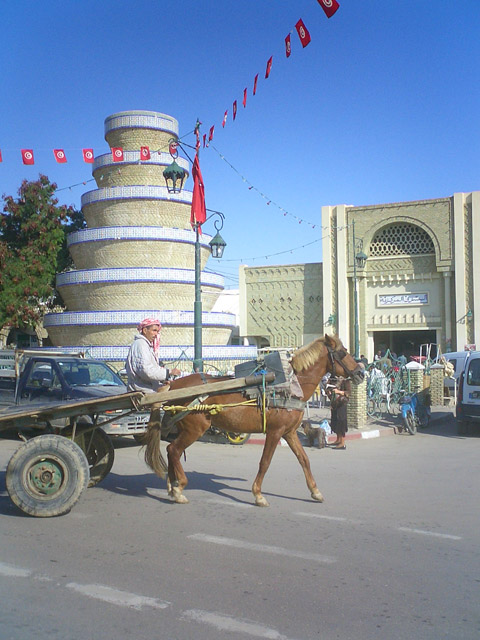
{"type": "Point", "coordinates": [471, 388]}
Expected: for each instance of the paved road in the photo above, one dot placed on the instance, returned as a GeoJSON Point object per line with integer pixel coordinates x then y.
{"type": "Point", "coordinates": [392, 553]}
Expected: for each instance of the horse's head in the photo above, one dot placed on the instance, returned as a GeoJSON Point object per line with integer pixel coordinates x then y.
{"type": "Point", "coordinates": [341, 362]}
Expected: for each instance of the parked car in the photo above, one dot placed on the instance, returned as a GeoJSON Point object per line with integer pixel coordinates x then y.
{"type": "Point", "coordinates": [46, 379]}
{"type": "Point", "coordinates": [468, 394]}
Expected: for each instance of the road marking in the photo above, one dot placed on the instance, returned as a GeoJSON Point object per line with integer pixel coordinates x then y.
{"type": "Point", "coordinates": [231, 503]}
{"type": "Point", "coordinates": [233, 625]}
{"type": "Point", "coordinates": [117, 597]}
{"type": "Point", "coordinates": [263, 548]}
{"type": "Point", "coordinates": [13, 572]}
{"type": "Point", "coordinates": [430, 533]}
{"type": "Point", "coordinates": [323, 517]}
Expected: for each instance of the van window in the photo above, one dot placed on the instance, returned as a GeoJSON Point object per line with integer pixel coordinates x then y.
{"type": "Point", "coordinates": [473, 377]}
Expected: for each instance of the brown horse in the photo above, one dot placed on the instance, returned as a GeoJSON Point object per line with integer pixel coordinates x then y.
{"type": "Point", "coordinates": [310, 363]}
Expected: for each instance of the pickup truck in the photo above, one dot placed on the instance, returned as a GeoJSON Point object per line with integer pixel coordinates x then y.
{"type": "Point", "coordinates": [34, 378]}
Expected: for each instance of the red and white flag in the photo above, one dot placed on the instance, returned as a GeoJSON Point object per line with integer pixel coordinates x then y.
{"type": "Point", "coordinates": [144, 153]}
{"type": "Point", "coordinates": [329, 6]}
{"type": "Point", "coordinates": [303, 33]}
{"type": "Point", "coordinates": [269, 66]}
{"type": "Point", "coordinates": [255, 84]}
{"type": "Point", "coordinates": [59, 155]}
{"type": "Point", "coordinates": [88, 155]}
{"type": "Point", "coordinates": [198, 213]}
{"type": "Point", "coordinates": [1, 159]}
{"type": "Point", "coordinates": [288, 46]}
{"type": "Point", "coordinates": [172, 149]}
{"type": "Point", "coordinates": [224, 118]}
{"type": "Point", "coordinates": [204, 140]}
{"type": "Point", "coordinates": [27, 156]}
{"type": "Point", "coordinates": [244, 102]}
{"type": "Point", "coordinates": [234, 109]}
{"type": "Point", "coordinates": [117, 154]}
{"type": "Point", "coordinates": [210, 133]}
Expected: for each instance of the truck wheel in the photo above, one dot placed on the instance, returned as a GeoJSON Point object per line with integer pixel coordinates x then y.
{"type": "Point", "coordinates": [97, 446]}
{"type": "Point", "coordinates": [46, 476]}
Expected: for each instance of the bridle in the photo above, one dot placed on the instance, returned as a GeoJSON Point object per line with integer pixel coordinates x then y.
{"type": "Point", "coordinates": [339, 355]}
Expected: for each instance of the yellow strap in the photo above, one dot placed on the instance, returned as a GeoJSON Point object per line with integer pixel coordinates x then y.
{"type": "Point", "coordinates": [208, 408]}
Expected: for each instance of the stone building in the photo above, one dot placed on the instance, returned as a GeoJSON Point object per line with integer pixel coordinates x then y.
{"type": "Point", "coordinates": [136, 257]}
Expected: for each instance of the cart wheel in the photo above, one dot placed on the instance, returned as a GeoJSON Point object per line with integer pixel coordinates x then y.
{"type": "Point", "coordinates": [97, 446]}
{"type": "Point", "coordinates": [237, 438]}
{"type": "Point", "coordinates": [46, 476]}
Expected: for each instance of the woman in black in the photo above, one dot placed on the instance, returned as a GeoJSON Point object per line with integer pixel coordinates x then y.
{"type": "Point", "coordinates": [339, 396]}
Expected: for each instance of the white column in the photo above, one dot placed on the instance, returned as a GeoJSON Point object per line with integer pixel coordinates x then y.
{"type": "Point", "coordinates": [328, 293]}
{"type": "Point", "coordinates": [343, 310]}
{"type": "Point", "coordinates": [447, 277]}
{"type": "Point", "coordinates": [460, 281]}
{"type": "Point", "coordinates": [475, 199]}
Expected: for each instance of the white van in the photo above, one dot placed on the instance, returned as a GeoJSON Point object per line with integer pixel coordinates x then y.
{"type": "Point", "coordinates": [468, 396]}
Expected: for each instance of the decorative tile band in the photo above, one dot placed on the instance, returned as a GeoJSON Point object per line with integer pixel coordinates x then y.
{"type": "Point", "coordinates": [139, 274]}
{"type": "Point", "coordinates": [167, 353]}
{"type": "Point", "coordinates": [136, 233]}
{"type": "Point", "coordinates": [137, 192]}
{"type": "Point", "coordinates": [186, 318]}
{"type": "Point", "coordinates": [141, 119]}
{"type": "Point", "coordinates": [133, 157]}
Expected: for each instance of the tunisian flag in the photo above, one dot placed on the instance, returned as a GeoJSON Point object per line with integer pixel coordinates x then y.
{"type": "Point", "coordinates": [198, 213]}
{"type": "Point", "coordinates": [27, 156]}
{"type": "Point", "coordinates": [88, 155]}
{"type": "Point", "coordinates": [269, 66]}
{"type": "Point", "coordinates": [60, 156]}
{"type": "Point", "coordinates": [117, 154]}
{"type": "Point", "coordinates": [288, 46]}
{"type": "Point", "coordinates": [303, 33]}
{"type": "Point", "coordinates": [329, 6]}
{"type": "Point", "coordinates": [145, 153]}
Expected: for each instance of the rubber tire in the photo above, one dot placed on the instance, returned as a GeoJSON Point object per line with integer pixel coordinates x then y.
{"type": "Point", "coordinates": [237, 438]}
{"type": "Point", "coordinates": [63, 455]}
{"type": "Point", "coordinates": [410, 424]}
{"type": "Point", "coordinates": [98, 447]}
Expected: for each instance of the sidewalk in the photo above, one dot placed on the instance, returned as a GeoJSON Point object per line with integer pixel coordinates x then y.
{"type": "Point", "coordinates": [374, 428]}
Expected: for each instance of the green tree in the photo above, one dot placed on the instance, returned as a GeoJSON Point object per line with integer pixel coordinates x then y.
{"type": "Point", "coordinates": [32, 245]}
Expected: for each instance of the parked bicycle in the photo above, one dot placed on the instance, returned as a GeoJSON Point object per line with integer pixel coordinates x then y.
{"type": "Point", "coordinates": [415, 412]}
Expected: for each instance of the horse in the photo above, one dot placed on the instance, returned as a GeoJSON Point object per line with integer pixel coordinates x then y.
{"type": "Point", "coordinates": [310, 363]}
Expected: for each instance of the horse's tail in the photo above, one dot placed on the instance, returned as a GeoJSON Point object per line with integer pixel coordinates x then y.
{"type": "Point", "coordinates": [151, 439]}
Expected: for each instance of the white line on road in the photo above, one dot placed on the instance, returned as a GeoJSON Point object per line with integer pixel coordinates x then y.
{"type": "Point", "coordinates": [448, 536]}
{"type": "Point", "coordinates": [233, 625]}
{"type": "Point", "coordinates": [13, 571]}
{"type": "Point", "coordinates": [263, 548]}
{"type": "Point", "coordinates": [333, 518]}
{"type": "Point", "coordinates": [117, 597]}
{"type": "Point", "coordinates": [231, 503]}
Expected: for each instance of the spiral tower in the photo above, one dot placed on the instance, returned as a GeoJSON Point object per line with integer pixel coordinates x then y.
{"type": "Point", "coordinates": [136, 257]}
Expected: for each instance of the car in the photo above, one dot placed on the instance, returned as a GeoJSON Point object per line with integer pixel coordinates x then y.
{"type": "Point", "coordinates": [467, 411]}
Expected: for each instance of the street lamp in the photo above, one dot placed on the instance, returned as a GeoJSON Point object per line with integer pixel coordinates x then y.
{"type": "Point", "coordinates": [174, 177]}
{"type": "Point", "coordinates": [359, 260]}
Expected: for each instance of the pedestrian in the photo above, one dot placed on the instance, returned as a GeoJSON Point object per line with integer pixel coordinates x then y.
{"type": "Point", "coordinates": [364, 360]}
{"type": "Point", "coordinates": [339, 396]}
{"type": "Point", "coordinates": [144, 372]}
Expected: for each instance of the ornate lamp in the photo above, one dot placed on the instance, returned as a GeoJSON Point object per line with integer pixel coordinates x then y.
{"type": "Point", "coordinates": [174, 177]}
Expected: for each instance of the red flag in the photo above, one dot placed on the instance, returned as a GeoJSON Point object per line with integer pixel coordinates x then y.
{"type": "Point", "coordinates": [172, 149]}
{"type": "Point", "coordinates": [234, 109]}
{"type": "Point", "coordinates": [204, 140]}
{"type": "Point", "coordinates": [88, 155]}
{"type": "Point", "coordinates": [288, 46]}
{"type": "Point", "coordinates": [210, 133]}
{"type": "Point", "coordinates": [244, 98]}
{"type": "Point", "coordinates": [329, 6]}
{"type": "Point", "coordinates": [269, 67]}
{"type": "Point", "coordinates": [117, 154]}
{"type": "Point", "coordinates": [302, 33]}
{"type": "Point", "coordinates": [198, 213]}
{"type": "Point", "coordinates": [145, 153]}
{"type": "Point", "coordinates": [255, 84]}
{"type": "Point", "coordinates": [224, 118]}
{"type": "Point", "coordinates": [1, 159]}
{"type": "Point", "coordinates": [59, 155]}
{"type": "Point", "coordinates": [27, 156]}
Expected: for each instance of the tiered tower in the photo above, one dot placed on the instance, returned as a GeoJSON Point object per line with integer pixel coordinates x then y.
{"type": "Point", "coordinates": [136, 258]}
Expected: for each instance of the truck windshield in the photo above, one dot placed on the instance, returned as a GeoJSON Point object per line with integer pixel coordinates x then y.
{"type": "Point", "coordinates": [473, 377]}
{"type": "Point", "coordinates": [84, 373]}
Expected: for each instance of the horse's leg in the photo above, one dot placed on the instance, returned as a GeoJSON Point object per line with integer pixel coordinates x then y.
{"type": "Point", "coordinates": [271, 441]}
{"type": "Point", "coordinates": [191, 428]}
{"type": "Point", "coordinates": [295, 445]}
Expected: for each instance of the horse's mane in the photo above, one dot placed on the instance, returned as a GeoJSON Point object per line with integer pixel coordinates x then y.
{"type": "Point", "coordinates": [306, 356]}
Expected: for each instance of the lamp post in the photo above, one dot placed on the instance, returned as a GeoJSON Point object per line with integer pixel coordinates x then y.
{"type": "Point", "coordinates": [174, 177]}
{"type": "Point", "coordinates": [359, 260]}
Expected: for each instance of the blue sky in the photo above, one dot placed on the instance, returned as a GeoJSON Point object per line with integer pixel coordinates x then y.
{"type": "Point", "coordinates": [383, 105]}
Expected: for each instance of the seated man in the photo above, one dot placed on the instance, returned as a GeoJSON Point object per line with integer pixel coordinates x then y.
{"type": "Point", "coordinates": [144, 372]}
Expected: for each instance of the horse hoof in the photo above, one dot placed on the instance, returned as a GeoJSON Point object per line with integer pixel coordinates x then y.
{"type": "Point", "coordinates": [316, 495]}
{"type": "Point", "coordinates": [181, 500]}
{"type": "Point", "coordinates": [261, 502]}
{"type": "Point", "coordinates": [178, 496]}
